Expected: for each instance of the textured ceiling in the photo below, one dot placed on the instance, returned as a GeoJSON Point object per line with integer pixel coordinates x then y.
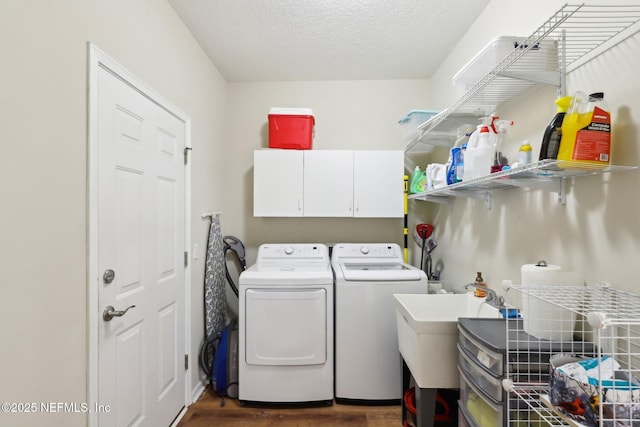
{"type": "Point", "coordinates": [288, 40]}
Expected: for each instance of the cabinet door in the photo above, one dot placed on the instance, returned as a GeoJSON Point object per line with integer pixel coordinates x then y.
{"type": "Point", "coordinates": [378, 184]}
{"type": "Point", "coordinates": [328, 183]}
{"type": "Point", "coordinates": [277, 183]}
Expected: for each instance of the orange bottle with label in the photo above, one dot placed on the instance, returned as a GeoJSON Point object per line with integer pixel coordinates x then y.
{"type": "Point", "coordinates": [480, 293]}
{"type": "Point", "coordinates": [586, 131]}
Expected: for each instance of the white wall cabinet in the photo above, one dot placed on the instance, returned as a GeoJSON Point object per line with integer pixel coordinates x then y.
{"type": "Point", "coordinates": [378, 184]}
{"type": "Point", "coordinates": [277, 183]}
{"type": "Point", "coordinates": [328, 183]}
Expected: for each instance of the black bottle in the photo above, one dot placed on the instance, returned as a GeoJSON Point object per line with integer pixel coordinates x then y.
{"type": "Point", "coordinates": [553, 132]}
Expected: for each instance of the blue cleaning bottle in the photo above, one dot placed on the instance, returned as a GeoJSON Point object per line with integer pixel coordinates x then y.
{"type": "Point", "coordinates": [460, 165]}
{"type": "Point", "coordinates": [455, 166]}
{"type": "Point", "coordinates": [452, 175]}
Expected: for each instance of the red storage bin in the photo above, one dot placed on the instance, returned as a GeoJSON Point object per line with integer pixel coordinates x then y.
{"type": "Point", "coordinates": [291, 128]}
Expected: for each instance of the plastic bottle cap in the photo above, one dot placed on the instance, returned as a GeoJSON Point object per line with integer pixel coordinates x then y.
{"type": "Point", "coordinates": [563, 104]}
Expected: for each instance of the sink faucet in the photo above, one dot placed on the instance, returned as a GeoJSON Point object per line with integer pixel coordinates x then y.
{"type": "Point", "coordinates": [492, 298]}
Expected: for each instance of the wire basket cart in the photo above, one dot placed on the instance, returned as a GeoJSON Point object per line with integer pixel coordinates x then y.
{"type": "Point", "coordinates": [573, 357]}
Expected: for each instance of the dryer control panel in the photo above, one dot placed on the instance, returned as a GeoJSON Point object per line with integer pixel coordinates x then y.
{"type": "Point", "coordinates": [303, 252]}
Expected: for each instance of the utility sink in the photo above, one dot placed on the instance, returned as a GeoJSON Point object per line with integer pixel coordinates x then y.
{"type": "Point", "coordinates": [428, 334]}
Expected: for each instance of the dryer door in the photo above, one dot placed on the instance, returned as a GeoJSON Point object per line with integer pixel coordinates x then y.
{"type": "Point", "coordinates": [286, 326]}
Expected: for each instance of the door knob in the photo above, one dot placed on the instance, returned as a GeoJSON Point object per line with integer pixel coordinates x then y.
{"type": "Point", "coordinates": [108, 276]}
{"type": "Point", "coordinates": [109, 312]}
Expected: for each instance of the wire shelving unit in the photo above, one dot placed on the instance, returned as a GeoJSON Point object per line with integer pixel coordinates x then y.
{"type": "Point", "coordinates": [571, 323]}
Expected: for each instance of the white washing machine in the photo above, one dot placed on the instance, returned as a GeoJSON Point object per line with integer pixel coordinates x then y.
{"type": "Point", "coordinates": [368, 366]}
{"type": "Point", "coordinates": [286, 326]}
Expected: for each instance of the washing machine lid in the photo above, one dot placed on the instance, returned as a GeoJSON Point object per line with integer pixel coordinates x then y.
{"type": "Point", "coordinates": [287, 274]}
{"type": "Point", "coordinates": [377, 271]}
{"type": "Point", "coordinates": [373, 262]}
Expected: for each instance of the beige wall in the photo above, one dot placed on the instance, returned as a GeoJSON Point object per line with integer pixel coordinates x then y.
{"type": "Point", "coordinates": [43, 284]}
{"type": "Point", "coordinates": [596, 232]}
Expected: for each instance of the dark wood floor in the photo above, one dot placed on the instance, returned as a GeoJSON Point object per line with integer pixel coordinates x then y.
{"type": "Point", "coordinates": [207, 411]}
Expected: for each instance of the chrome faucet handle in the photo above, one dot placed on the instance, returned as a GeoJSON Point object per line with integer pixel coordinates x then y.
{"type": "Point", "coordinates": [492, 298]}
{"type": "Point", "coordinates": [470, 285]}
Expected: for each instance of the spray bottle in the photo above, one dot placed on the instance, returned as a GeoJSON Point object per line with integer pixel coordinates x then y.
{"type": "Point", "coordinates": [501, 156]}
{"type": "Point", "coordinates": [456, 158]}
{"type": "Point", "coordinates": [452, 165]}
{"type": "Point", "coordinates": [586, 131]}
{"type": "Point", "coordinates": [553, 133]}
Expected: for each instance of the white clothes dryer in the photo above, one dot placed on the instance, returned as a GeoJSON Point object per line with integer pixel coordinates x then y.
{"type": "Point", "coordinates": [368, 365]}
{"type": "Point", "coordinates": [286, 326]}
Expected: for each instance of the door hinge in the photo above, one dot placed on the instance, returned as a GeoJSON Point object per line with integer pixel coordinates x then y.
{"type": "Point", "coordinates": [186, 154]}
{"type": "Point", "coordinates": [186, 259]}
{"type": "Point", "coordinates": [186, 362]}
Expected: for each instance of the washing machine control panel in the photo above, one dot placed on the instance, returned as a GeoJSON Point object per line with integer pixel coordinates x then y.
{"type": "Point", "coordinates": [294, 251]}
{"type": "Point", "coordinates": [367, 250]}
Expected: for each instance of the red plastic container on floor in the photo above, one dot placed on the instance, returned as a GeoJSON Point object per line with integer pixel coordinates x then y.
{"type": "Point", "coordinates": [291, 128]}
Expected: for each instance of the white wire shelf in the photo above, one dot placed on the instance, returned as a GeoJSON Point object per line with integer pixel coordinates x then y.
{"type": "Point", "coordinates": [616, 305]}
{"type": "Point", "coordinates": [546, 175]}
{"type": "Point", "coordinates": [580, 31]}
{"type": "Point", "coordinates": [534, 411]}
{"type": "Point", "coordinates": [579, 323]}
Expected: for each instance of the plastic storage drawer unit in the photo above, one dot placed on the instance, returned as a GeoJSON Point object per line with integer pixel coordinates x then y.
{"type": "Point", "coordinates": [490, 385]}
{"type": "Point", "coordinates": [486, 356]}
{"type": "Point", "coordinates": [291, 128]}
{"type": "Point", "coordinates": [482, 411]}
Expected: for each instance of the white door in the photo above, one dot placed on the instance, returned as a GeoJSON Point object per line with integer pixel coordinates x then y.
{"type": "Point", "coordinates": [277, 183]}
{"type": "Point", "coordinates": [378, 183]}
{"type": "Point", "coordinates": [328, 183]}
{"type": "Point", "coordinates": [140, 222]}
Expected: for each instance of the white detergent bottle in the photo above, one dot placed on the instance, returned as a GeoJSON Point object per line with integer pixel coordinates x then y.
{"type": "Point", "coordinates": [469, 155]}
{"type": "Point", "coordinates": [484, 158]}
{"type": "Point", "coordinates": [481, 156]}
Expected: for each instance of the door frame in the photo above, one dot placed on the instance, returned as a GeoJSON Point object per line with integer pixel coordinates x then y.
{"type": "Point", "coordinates": [98, 59]}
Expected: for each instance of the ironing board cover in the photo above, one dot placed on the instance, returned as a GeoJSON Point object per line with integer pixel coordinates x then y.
{"type": "Point", "coordinates": [215, 290]}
